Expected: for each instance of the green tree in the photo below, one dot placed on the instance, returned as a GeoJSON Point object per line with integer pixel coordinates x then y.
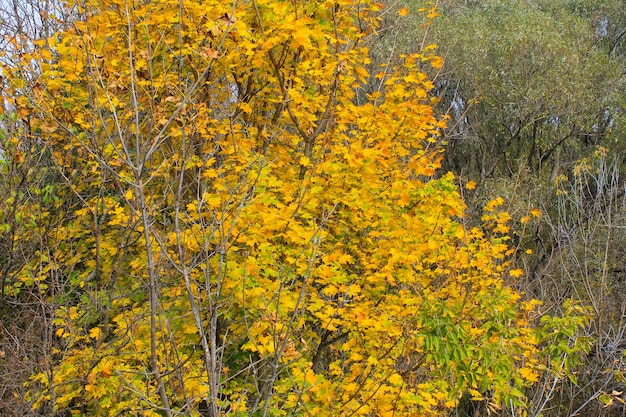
{"type": "Point", "coordinates": [527, 83]}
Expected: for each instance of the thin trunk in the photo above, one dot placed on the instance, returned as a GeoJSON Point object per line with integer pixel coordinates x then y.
{"type": "Point", "coordinates": [153, 294]}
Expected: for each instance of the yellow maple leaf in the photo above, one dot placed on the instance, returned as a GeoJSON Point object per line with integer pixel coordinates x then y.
{"type": "Point", "coordinates": [528, 374]}
{"type": "Point", "coordinates": [396, 380]}
{"type": "Point", "coordinates": [436, 62]}
{"type": "Point", "coordinates": [94, 333]}
{"type": "Point", "coordinates": [403, 11]}
{"type": "Point", "coordinates": [304, 161]}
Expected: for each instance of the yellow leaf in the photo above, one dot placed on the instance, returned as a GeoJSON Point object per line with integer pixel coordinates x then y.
{"type": "Point", "coordinates": [516, 273]}
{"type": "Point", "coordinates": [470, 185]}
{"type": "Point", "coordinates": [403, 11]}
{"type": "Point", "coordinates": [301, 38]}
{"type": "Point", "coordinates": [396, 380]}
{"type": "Point", "coordinates": [476, 395]}
{"type": "Point", "coordinates": [94, 333]}
{"type": "Point", "coordinates": [491, 205]}
{"type": "Point", "coordinates": [450, 403]}
{"type": "Point", "coordinates": [436, 62]}
{"type": "Point", "coordinates": [345, 259]}
{"type": "Point", "coordinates": [433, 13]}
{"type": "Point", "coordinates": [535, 212]}
{"type": "Point", "coordinates": [529, 375]}
{"type": "Point", "coordinates": [245, 107]}
{"type": "Point", "coordinates": [304, 161]}
{"type": "Point", "coordinates": [351, 387]}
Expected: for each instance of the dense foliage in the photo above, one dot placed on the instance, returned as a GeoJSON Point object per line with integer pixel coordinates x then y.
{"type": "Point", "coordinates": [222, 208]}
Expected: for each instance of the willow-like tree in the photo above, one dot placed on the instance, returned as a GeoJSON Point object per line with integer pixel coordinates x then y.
{"type": "Point", "coordinates": [244, 238]}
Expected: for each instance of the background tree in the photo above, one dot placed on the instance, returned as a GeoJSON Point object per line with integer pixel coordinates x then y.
{"type": "Point", "coordinates": [30, 208]}
{"type": "Point", "coordinates": [528, 83]}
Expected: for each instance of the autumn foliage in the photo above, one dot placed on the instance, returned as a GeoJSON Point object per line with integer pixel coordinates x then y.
{"type": "Point", "coordinates": [242, 228]}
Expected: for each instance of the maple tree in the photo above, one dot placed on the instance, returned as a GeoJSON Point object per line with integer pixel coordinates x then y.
{"type": "Point", "coordinates": [241, 235]}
